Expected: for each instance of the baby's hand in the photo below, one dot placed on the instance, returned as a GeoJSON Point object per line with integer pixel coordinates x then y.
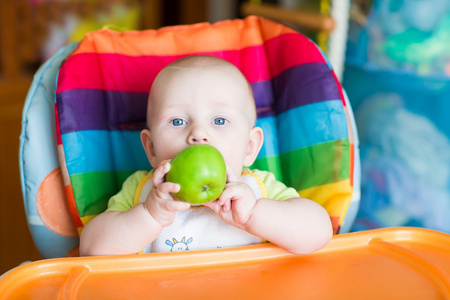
{"type": "Point", "coordinates": [236, 203]}
{"type": "Point", "coordinates": [160, 203]}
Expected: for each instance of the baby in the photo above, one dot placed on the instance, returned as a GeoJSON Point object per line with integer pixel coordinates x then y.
{"type": "Point", "coordinates": [204, 100]}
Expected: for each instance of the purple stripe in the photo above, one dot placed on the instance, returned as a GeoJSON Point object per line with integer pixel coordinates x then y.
{"type": "Point", "coordinates": [99, 110]}
{"type": "Point", "coordinates": [304, 84]}
{"type": "Point", "coordinates": [89, 109]}
{"type": "Point", "coordinates": [262, 92]}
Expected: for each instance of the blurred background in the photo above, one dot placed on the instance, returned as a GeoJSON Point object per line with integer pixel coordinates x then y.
{"type": "Point", "coordinates": [392, 56]}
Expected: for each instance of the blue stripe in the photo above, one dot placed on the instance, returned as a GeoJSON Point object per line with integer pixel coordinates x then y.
{"type": "Point", "coordinates": [270, 146]}
{"type": "Point", "coordinates": [311, 124]}
{"type": "Point", "coordinates": [100, 150]}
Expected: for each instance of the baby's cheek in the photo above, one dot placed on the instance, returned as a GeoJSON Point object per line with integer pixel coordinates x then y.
{"type": "Point", "coordinates": [167, 153]}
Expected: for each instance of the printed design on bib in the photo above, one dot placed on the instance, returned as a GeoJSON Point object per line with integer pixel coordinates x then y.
{"type": "Point", "coordinates": [179, 246]}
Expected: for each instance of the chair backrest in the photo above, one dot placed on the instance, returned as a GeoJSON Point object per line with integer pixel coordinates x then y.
{"type": "Point", "coordinates": [49, 220]}
{"type": "Point", "coordinates": [101, 98]}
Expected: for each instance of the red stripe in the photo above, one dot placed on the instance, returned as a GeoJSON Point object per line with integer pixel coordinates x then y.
{"type": "Point", "coordinates": [118, 72]}
{"type": "Point", "coordinates": [58, 131]}
{"type": "Point", "coordinates": [72, 206]}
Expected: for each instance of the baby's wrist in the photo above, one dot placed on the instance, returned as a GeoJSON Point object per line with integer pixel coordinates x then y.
{"type": "Point", "coordinates": [152, 214]}
{"type": "Point", "coordinates": [248, 223]}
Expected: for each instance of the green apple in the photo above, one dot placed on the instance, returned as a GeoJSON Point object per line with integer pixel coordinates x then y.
{"type": "Point", "coordinates": [201, 173]}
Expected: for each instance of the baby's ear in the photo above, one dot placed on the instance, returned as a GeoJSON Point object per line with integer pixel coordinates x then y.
{"type": "Point", "coordinates": [255, 143]}
{"type": "Point", "coordinates": [147, 143]}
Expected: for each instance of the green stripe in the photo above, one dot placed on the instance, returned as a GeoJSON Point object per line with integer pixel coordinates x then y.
{"type": "Point", "coordinates": [301, 169]}
{"type": "Point", "coordinates": [93, 190]}
{"type": "Point", "coordinates": [271, 164]}
{"type": "Point", "coordinates": [316, 165]}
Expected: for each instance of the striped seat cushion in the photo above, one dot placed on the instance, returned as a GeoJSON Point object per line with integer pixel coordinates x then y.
{"type": "Point", "coordinates": [101, 101]}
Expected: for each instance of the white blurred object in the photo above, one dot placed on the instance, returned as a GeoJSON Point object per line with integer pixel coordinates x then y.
{"type": "Point", "coordinates": [340, 10]}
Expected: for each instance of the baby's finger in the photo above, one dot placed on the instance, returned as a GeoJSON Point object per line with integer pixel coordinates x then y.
{"type": "Point", "coordinates": [165, 188]}
{"type": "Point", "coordinates": [213, 205]}
{"type": "Point", "coordinates": [224, 200]}
{"type": "Point", "coordinates": [177, 205]}
{"type": "Point", "coordinates": [228, 193]}
{"type": "Point", "coordinates": [160, 172]}
{"type": "Point", "coordinates": [227, 205]}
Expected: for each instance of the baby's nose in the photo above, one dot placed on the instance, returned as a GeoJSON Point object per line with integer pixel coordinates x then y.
{"type": "Point", "coordinates": [198, 136]}
{"type": "Point", "coordinates": [193, 139]}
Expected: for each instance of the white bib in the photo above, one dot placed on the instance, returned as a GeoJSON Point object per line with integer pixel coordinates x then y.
{"type": "Point", "coordinates": [200, 228]}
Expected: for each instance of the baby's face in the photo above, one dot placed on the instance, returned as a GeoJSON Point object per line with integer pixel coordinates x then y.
{"type": "Point", "coordinates": [198, 106]}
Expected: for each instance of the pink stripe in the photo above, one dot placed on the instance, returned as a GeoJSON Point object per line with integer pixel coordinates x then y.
{"type": "Point", "coordinates": [109, 72]}
{"type": "Point", "coordinates": [118, 72]}
{"type": "Point", "coordinates": [291, 49]}
{"type": "Point", "coordinates": [135, 74]}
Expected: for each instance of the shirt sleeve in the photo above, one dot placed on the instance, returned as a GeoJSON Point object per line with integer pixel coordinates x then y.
{"type": "Point", "coordinates": [124, 200]}
{"type": "Point", "coordinates": [275, 189]}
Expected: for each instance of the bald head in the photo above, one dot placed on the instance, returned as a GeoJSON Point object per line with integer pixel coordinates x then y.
{"type": "Point", "coordinates": [200, 63]}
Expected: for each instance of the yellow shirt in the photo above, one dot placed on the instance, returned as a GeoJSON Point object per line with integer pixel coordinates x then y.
{"type": "Point", "coordinates": [199, 228]}
{"type": "Point", "coordinates": [270, 188]}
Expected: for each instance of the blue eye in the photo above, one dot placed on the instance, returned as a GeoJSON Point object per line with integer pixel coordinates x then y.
{"type": "Point", "coordinates": [178, 122]}
{"type": "Point", "coordinates": [220, 121]}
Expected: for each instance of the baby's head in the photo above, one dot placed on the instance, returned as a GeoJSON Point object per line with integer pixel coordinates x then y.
{"type": "Point", "coordinates": [197, 100]}
{"type": "Point", "coordinates": [210, 66]}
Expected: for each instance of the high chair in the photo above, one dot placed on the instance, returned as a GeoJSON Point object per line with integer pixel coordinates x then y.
{"type": "Point", "coordinates": [69, 170]}
{"type": "Point", "coordinates": [101, 96]}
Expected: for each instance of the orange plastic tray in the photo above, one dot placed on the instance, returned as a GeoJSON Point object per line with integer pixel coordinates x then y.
{"type": "Point", "coordinates": [396, 263]}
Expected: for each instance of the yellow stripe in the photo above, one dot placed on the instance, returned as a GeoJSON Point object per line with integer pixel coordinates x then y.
{"type": "Point", "coordinates": [322, 36]}
{"type": "Point", "coordinates": [80, 229]}
{"type": "Point", "coordinates": [334, 197]}
{"type": "Point", "coordinates": [258, 181]}
{"type": "Point", "coordinates": [86, 219]}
